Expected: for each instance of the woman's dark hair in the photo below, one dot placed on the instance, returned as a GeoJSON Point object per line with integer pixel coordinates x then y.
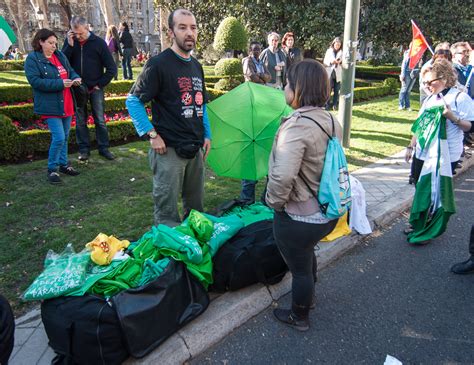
{"type": "Point", "coordinates": [125, 26]}
{"type": "Point", "coordinates": [443, 52]}
{"type": "Point", "coordinates": [41, 35]}
{"type": "Point", "coordinates": [309, 81]}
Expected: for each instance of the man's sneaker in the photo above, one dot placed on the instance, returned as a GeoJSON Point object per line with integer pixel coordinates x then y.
{"type": "Point", "coordinates": [83, 156]}
{"type": "Point", "coordinates": [68, 170]}
{"type": "Point", "coordinates": [53, 177]}
{"type": "Point", "coordinates": [107, 154]}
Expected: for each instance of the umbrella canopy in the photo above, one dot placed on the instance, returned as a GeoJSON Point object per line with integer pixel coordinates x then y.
{"type": "Point", "coordinates": [243, 125]}
{"type": "Point", "coordinates": [7, 37]}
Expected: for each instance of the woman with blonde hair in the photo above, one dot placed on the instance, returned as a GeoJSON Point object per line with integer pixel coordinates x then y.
{"type": "Point", "coordinates": [439, 80]}
{"type": "Point", "coordinates": [112, 40]}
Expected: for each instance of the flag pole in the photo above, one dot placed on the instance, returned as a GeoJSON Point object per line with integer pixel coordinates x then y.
{"type": "Point", "coordinates": [429, 47]}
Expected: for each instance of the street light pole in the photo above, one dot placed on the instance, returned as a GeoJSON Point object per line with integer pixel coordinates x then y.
{"type": "Point", "coordinates": [346, 95]}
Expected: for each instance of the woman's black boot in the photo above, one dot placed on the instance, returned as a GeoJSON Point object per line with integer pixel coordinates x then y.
{"type": "Point", "coordinates": [297, 317]}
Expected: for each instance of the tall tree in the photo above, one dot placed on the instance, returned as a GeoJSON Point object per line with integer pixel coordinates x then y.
{"type": "Point", "coordinates": [18, 10]}
{"type": "Point", "coordinates": [40, 8]}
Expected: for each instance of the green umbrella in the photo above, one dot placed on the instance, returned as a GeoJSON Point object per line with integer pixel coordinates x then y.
{"type": "Point", "coordinates": [243, 125]}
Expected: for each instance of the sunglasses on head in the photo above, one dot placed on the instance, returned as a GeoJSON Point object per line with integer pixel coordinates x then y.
{"type": "Point", "coordinates": [428, 83]}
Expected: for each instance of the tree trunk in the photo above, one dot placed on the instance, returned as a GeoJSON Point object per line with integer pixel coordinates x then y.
{"type": "Point", "coordinates": [164, 39]}
{"type": "Point", "coordinates": [18, 15]}
{"type": "Point", "coordinates": [41, 5]}
{"type": "Point", "coordinates": [110, 11]}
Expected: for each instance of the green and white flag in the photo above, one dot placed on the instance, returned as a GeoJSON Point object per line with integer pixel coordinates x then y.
{"type": "Point", "coordinates": [433, 203]}
{"type": "Point", "coordinates": [7, 37]}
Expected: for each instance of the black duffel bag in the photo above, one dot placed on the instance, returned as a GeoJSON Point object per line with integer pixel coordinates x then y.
{"type": "Point", "coordinates": [91, 330]}
{"type": "Point", "coordinates": [83, 330]}
{"type": "Point", "coordinates": [251, 256]}
{"type": "Point", "coordinates": [150, 314]}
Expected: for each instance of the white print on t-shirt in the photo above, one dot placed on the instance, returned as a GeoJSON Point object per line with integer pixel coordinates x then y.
{"type": "Point", "coordinates": [188, 87]}
{"type": "Point", "coordinates": [197, 84]}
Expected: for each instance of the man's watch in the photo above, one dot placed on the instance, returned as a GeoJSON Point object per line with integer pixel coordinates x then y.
{"type": "Point", "coordinates": [152, 134]}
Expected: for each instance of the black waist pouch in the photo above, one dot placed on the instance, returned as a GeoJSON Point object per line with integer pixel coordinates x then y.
{"type": "Point", "coordinates": [188, 150]}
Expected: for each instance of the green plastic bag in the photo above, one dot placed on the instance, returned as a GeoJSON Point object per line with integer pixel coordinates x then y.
{"type": "Point", "coordinates": [224, 229]}
{"type": "Point", "coordinates": [177, 245]}
{"type": "Point", "coordinates": [94, 273]}
{"type": "Point", "coordinates": [251, 213]}
{"type": "Point", "coordinates": [62, 274]}
{"type": "Point", "coordinates": [197, 225]}
{"type": "Point", "coordinates": [126, 276]}
{"type": "Point", "coordinates": [151, 270]}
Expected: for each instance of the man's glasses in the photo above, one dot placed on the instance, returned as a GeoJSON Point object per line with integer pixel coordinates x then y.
{"type": "Point", "coordinates": [466, 51]}
{"type": "Point", "coordinates": [428, 83]}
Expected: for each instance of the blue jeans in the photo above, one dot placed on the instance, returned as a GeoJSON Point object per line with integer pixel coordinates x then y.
{"type": "Point", "coordinates": [248, 190]}
{"type": "Point", "coordinates": [127, 64]}
{"type": "Point", "coordinates": [404, 97]}
{"type": "Point", "coordinates": [97, 101]}
{"type": "Point", "coordinates": [59, 128]}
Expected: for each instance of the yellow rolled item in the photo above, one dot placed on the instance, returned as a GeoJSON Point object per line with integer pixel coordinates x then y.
{"type": "Point", "coordinates": [104, 248]}
{"type": "Point", "coordinates": [341, 229]}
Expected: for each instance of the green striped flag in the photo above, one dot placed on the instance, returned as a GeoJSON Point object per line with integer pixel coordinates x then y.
{"type": "Point", "coordinates": [7, 37]}
{"type": "Point", "coordinates": [433, 203]}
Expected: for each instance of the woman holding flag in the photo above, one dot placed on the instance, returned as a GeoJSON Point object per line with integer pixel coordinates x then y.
{"type": "Point", "coordinates": [437, 141]}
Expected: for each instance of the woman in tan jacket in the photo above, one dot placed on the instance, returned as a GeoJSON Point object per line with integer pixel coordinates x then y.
{"type": "Point", "coordinates": [295, 164]}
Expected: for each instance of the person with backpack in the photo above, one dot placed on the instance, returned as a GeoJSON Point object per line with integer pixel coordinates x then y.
{"type": "Point", "coordinates": [296, 164]}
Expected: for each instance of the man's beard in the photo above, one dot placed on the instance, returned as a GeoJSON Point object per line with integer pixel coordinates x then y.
{"type": "Point", "coordinates": [183, 46]}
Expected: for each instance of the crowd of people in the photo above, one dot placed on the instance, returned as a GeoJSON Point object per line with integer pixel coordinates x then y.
{"type": "Point", "coordinates": [65, 82]}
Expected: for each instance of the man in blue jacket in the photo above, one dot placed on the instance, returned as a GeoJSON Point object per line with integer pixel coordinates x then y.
{"type": "Point", "coordinates": [89, 56]}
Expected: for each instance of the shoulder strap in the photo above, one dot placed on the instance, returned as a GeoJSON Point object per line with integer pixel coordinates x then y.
{"type": "Point", "coordinates": [456, 100]}
{"type": "Point", "coordinates": [319, 125]}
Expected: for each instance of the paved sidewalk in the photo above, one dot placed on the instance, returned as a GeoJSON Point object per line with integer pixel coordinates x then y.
{"type": "Point", "coordinates": [387, 195]}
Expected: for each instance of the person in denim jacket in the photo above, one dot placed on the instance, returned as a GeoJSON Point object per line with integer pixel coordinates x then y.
{"type": "Point", "coordinates": [49, 73]}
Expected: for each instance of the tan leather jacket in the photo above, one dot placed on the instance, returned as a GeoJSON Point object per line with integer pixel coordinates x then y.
{"type": "Point", "coordinates": [299, 145]}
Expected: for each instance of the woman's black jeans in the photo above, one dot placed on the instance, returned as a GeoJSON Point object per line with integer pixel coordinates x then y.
{"type": "Point", "coordinates": [296, 241]}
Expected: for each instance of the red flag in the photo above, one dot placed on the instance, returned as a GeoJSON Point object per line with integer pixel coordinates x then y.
{"type": "Point", "coordinates": [418, 45]}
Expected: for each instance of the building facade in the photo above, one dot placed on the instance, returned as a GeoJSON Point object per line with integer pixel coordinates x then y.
{"type": "Point", "coordinates": [141, 16]}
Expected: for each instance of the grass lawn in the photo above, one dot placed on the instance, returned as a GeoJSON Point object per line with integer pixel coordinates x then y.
{"type": "Point", "coordinates": [115, 197]}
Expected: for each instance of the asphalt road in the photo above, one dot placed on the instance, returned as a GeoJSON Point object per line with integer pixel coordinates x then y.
{"type": "Point", "coordinates": [385, 297]}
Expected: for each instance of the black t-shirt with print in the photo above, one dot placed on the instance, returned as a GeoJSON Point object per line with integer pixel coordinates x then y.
{"type": "Point", "coordinates": [177, 93]}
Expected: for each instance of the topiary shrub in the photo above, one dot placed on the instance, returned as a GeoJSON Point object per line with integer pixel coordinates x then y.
{"type": "Point", "coordinates": [227, 84]}
{"type": "Point", "coordinates": [10, 147]}
{"type": "Point", "coordinates": [229, 67]}
{"type": "Point", "coordinates": [230, 35]}
{"type": "Point", "coordinates": [392, 84]}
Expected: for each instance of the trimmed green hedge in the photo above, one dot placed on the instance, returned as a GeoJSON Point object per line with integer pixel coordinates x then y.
{"type": "Point", "coordinates": [17, 145]}
{"type": "Point", "coordinates": [12, 65]}
{"type": "Point", "coordinates": [377, 72]}
{"type": "Point", "coordinates": [24, 113]}
{"type": "Point", "coordinates": [21, 93]}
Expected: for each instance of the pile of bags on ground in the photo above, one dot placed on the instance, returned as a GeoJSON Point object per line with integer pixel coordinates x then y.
{"type": "Point", "coordinates": [117, 298]}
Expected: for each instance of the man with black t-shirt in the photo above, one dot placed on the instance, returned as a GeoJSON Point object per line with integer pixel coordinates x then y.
{"type": "Point", "coordinates": [179, 133]}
